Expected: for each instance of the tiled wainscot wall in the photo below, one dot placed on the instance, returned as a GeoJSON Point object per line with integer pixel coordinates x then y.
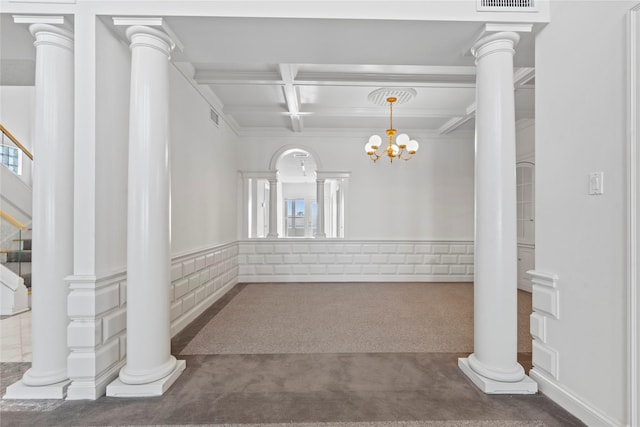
{"type": "Point", "coordinates": [97, 310]}
{"type": "Point", "coordinates": [341, 260]}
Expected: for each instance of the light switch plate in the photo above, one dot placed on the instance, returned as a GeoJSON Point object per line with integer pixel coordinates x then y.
{"type": "Point", "coordinates": [596, 183]}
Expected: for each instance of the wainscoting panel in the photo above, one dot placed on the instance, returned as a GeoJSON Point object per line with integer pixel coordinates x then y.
{"type": "Point", "coordinates": [331, 260]}
{"type": "Point", "coordinates": [97, 333]}
{"type": "Point", "coordinates": [198, 280]}
{"type": "Point", "coordinates": [546, 305]}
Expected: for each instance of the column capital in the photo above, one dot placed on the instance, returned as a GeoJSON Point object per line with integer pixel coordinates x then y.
{"type": "Point", "coordinates": [141, 35]}
{"type": "Point", "coordinates": [50, 34]}
{"type": "Point", "coordinates": [498, 42]}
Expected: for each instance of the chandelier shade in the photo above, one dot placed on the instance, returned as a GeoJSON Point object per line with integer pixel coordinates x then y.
{"type": "Point", "coordinates": [403, 148]}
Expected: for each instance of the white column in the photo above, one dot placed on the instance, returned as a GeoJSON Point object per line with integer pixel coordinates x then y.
{"type": "Point", "coordinates": [150, 368]}
{"type": "Point", "coordinates": [273, 208]}
{"type": "Point", "coordinates": [254, 208]}
{"type": "Point", "coordinates": [320, 231]}
{"type": "Point", "coordinates": [493, 366]}
{"type": "Point", "coordinates": [52, 219]}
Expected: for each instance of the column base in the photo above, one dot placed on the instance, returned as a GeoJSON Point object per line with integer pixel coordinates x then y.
{"type": "Point", "coordinates": [157, 388]}
{"type": "Point", "coordinates": [20, 390]}
{"type": "Point", "coordinates": [489, 386]}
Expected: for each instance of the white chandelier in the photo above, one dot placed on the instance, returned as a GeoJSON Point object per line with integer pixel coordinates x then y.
{"type": "Point", "coordinates": [404, 147]}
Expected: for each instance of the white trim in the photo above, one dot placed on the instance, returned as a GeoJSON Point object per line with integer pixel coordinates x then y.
{"type": "Point", "coordinates": [273, 163]}
{"type": "Point", "coordinates": [497, 27]}
{"type": "Point", "coordinates": [524, 386]}
{"type": "Point", "coordinates": [180, 256]}
{"type": "Point", "coordinates": [38, 19]}
{"type": "Point", "coordinates": [586, 412]}
{"type": "Point", "coordinates": [343, 278]}
{"type": "Point", "coordinates": [95, 387]}
{"type": "Point", "coordinates": [543, 279]}
{"type": "Point", "coordinates": [632, 216]}
{"type": "Point", "coordinates": [149, 21]}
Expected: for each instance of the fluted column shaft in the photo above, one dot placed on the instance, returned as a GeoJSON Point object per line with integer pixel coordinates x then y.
{"type": "Point", "coordinates": [52, 203]}
{"type": "Point", "coordinates": [320, 231]}
{"type": "Point", "coordinates": [149, 210]}
{"type": "Point", "coordinates": [273, 208]}
{"type": "Point", "coordinates": [495, 289]}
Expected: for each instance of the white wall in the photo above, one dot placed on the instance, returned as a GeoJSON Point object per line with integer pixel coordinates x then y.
{"type": "Point", "coordinates": [17, 112]}
{"type": "Point", "coordinates": [580, 128]}
{"type": "Point", "coordinates": [525, 140]}
{"type": "Point", "coordinates": [429, 197]}
{"type": "Point", "coordinates": [203, 172]}
{"type": "Point", "coordinates": [113, 69]}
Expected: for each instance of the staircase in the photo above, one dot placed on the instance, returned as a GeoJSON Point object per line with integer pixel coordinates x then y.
{"type": "Point", "coordinates": [15, 272]}
{"type": "Point", "coordinates": [18, 260]}
{"type": "Point", "coordinates": [15, 219]}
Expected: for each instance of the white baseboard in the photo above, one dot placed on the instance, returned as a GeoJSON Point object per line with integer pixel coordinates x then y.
{"type": "Point", "coordinates": [92, 390]}
{"type": "Point", "coordinates": [573, 404]}
{"type": "Point", "coordinates": [359, 278]}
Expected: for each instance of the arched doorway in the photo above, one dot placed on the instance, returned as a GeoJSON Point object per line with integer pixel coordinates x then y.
{"type": "Point", "coordinates": [297, 196]}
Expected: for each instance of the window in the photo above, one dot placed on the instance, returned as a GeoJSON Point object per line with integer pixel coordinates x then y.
{"type": "Point", "coordinates": [525, 200]}
{"type": "Point", "coordinates": [9, 158]}
{"type": "Point", "coordinates": [295, 218]}
{"type": "Point", "coordinates": [282, 202]}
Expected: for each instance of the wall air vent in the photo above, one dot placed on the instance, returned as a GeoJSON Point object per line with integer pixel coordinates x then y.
{"type": "Point", "coordinates": [507, 5]}
{"type": "Point", "coordinates": [214, 117]}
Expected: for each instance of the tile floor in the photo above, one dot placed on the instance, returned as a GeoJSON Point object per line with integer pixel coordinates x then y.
{"type": "Point", "coordinates": [15, 335]}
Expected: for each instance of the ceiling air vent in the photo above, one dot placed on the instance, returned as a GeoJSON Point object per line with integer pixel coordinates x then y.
{"type": "Point", "coordinates": [214, 117]}
{"type": "Point", "coordinates": [507, 5]}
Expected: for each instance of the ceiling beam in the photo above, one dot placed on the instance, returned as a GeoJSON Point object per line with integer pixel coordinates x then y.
{"type": "Point", "coordinates": [237, 77]}
{"type": "Point", "coordinates": [213, 77]}
{"type": "Point", "coordinates": [343, 112]}
{"type": "Point", "coordinates": [288, 73]}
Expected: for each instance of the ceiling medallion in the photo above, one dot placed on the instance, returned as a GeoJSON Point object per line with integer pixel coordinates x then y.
{"type": "Point", "coordinates": [404, 148]}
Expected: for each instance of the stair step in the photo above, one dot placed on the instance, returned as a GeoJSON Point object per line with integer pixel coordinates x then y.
{"type": "Point", "coordinates": [22, 269]}
{"type": "Point", "coordinates": [26, 243]}
{"type": "Point", "coordinates": [27, 280]}
{"type": "Point", "coordinates": [19, 256]}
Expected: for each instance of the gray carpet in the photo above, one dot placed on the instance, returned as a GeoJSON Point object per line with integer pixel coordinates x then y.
{"type": "Point", "coordinates": [380, 389]}
{"type": "Point", "coordinates": [348, 318]}
{"type": "Point", "coordinates": [461, 423]}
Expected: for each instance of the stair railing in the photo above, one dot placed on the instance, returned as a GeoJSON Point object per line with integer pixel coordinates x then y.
{"type": "Point", "coordinates": [10, 149]}
{"type": "Point", "coordinates": [10, 220]}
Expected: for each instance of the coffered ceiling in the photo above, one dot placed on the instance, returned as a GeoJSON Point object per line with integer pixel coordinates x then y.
{"type": "Point", "coordinates": [271, 75]}
{"type": "Point", "coordinates": [283, 76]}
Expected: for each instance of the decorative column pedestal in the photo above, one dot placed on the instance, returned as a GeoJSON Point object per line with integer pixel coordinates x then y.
{"type": "Point", "coordinates": [320, 231]}
{"type": "Point", "coordinates": [150, 369]}
{"type": "Point", "coordinates": [493, 366]}
{"type": "Point", "coordinates": [273, 208]}
{"type": "Point", "coordinates": [52, 211]}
